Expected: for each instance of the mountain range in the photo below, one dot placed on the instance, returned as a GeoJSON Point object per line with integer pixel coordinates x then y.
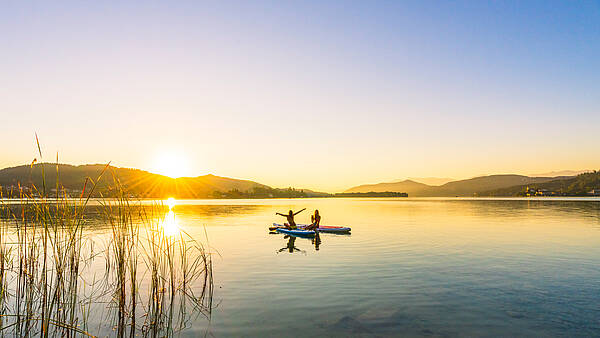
{"type": "Point", "coordinates": [140, 183]}
{"type": "Point", "coordinates": [482, 185]}
{"type": "Point", "coordinates": [136, 182]}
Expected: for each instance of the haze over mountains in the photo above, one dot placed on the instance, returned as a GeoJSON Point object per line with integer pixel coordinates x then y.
{"type": "Point", "coordinates": [431, 180]}
{"type": "Point", "coordinates": [474, 186]}
{"type": "Point", "coordinates": [560, 173]}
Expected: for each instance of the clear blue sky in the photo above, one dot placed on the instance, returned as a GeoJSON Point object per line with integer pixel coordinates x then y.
{"type": "Point", "coordinates": [323, 95]}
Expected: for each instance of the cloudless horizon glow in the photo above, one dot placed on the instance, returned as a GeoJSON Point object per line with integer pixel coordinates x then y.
{"type": "Point", "coordinates": [317, 95]}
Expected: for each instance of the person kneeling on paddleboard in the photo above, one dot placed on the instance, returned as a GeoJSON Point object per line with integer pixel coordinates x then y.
{"type": "Point", "coordinates": [315, 221]}
{"type": "Point", "coordinates": [291, 224]}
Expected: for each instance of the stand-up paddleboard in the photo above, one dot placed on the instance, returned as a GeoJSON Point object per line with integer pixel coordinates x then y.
{"type": "Point", "coordinates": [296, 232]}
{"type": "Point", "coordinates": [321, 228]}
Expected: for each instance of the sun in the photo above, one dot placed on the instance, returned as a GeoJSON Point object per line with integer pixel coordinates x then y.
{"type": "Point", "coordinates": [171, 202]}
{"type": "Point", "coordinates": [171, 163]}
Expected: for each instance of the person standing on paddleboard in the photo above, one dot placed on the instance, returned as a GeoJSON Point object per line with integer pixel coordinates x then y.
{"type": "Point", "coordinates": [291, 224]}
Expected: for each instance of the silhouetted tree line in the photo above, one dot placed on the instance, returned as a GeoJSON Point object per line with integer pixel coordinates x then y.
{"type": "Point", "coordinates": [260, 192]}
{"type": "Point", "coordinates": [372, 194]}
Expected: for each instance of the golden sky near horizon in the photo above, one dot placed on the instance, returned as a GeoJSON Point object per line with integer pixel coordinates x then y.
{"type": "Point", "coordinates": [309, 95]}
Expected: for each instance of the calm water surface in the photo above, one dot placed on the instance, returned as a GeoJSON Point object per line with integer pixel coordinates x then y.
{"type": "Point", "coordinates": [434, 267]}
{"type": "Point", "coordinates": [411, 267]}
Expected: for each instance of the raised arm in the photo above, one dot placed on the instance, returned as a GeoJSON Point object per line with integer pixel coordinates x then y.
{"type": "Point", "coordinates": [296, 213]}
{"type": "Point", "coordinates": [280, 214]}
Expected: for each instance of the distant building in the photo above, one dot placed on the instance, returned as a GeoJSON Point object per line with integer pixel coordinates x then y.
{"type": "Point", "coordinates": [594, 192]}
{"type": "Point", "coordinates": [532, 192]}
{"type": "Point", "coordinates": [544, 192]}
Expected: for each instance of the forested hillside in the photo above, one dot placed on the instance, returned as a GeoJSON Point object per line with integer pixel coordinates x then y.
{"type": "Point", "coordinates": [135, 182]}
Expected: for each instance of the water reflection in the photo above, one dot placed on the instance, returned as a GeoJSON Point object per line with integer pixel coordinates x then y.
{"type": "Point", "coordinates": [169, 224]}
{"type": "Point", "coordinates": [316, 241]}
{"type": "Point", "coordinates": [291, 243]}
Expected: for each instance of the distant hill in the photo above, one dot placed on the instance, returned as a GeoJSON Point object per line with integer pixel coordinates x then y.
{"type": "Point", "coordinates": [411, 187]}
{"type": "Point", "coordinates": [477, 185]}
{"type": "Point", "coordinates": [468, 187]}
{"type": "Point", "coordinates": [432, 180]}
{"type": "Point", "coordinates": [138, 183]}
{"type": "Point", "coordinates": [585, 184]}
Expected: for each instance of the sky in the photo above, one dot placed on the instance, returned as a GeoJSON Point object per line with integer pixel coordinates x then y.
{"type": "Point", "coordinates": [322, 95]}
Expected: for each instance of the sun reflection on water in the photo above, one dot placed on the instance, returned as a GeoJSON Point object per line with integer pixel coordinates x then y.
{"type": "Point", "coordinates": [169, 224]}
{"type": "Point", "coordinates": [171, 202]}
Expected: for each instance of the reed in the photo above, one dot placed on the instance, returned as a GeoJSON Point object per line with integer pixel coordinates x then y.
{"type": "Point", "coordinates": [59, 277]}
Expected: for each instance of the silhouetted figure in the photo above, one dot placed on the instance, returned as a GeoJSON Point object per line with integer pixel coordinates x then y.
{"type": "Point", "coordinates": [315, 221]}
{"type": "Point", "coordinates": [291, 224]}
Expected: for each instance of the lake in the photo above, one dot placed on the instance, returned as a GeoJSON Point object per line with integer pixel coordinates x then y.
{"type": "Point", "coordinates": [410, 267]}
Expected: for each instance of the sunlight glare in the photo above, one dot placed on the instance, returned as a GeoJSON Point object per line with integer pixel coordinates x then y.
{"type": "Point", "coordinates": [171, 163]}
{"type": "Point", "coordinates": [169, 225]}
{"type": "Point", "coordinates": [171, 202]}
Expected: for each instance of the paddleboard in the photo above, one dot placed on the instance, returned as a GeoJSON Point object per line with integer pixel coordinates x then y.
{"type": "Point", "coordinates": [321, 228]}
{"type": "Point", "coordinates": [296, 232]}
